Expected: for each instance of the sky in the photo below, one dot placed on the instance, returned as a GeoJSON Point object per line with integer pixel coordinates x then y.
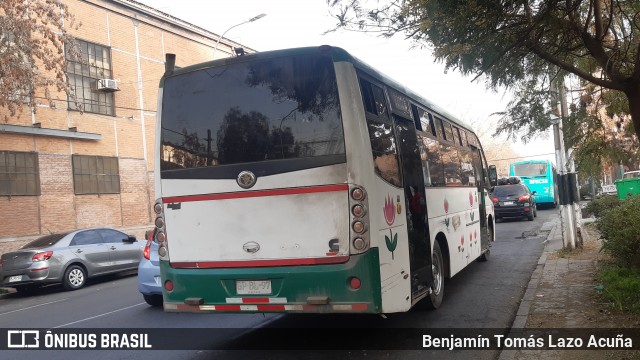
{"type": "Point", "coordinates": [297, 23]}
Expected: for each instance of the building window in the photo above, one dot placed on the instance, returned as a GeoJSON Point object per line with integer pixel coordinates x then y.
{"type": "Point", "coordinates": [19, 173]}
{"type": "Point", "coordinates": [84, 76]}
{"type": "Point", "coordinates": [95, 175]}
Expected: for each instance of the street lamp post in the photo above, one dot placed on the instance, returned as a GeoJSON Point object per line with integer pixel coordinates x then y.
{"type": "Point", "coordinates": [236, 25]}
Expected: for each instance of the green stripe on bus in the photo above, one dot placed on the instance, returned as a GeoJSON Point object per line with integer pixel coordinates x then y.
{"type": "Point", "coordinates": [295, 283]}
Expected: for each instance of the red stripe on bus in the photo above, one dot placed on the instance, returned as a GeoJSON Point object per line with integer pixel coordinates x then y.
{"type": "Point", "coordinates": [271, 307]}
{"type": "Point", "coordinates": [258, 263]}
{"type": "Point", "coordinates": [228, 307]}
{"type": "Point", "coordinates": [257, 193]}
{"type": "Point", "coordinates": [185, 307]}
{"type": "Point", "coordinates": [255, 300]}
{"type": "Point", "coordinates": [359, 307]}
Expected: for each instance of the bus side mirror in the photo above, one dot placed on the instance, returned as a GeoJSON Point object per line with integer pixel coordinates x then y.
{"type": "Point", "coordinates": [493, 175]}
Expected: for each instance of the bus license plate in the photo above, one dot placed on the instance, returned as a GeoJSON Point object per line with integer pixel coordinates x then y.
{"type": "Point", "coordinates": [253, 287]}
{"type": "Point", "coordinates": [15, 278]}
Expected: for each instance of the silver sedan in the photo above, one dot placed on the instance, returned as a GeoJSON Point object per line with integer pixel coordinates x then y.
{"type": "Point", "coordinates": [70, 258]}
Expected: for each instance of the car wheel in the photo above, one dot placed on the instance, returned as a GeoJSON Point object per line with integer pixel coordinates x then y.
{"type": "Point", "coordinates": [74, 278]}
{"type": "Point", "coordinates": [153, 300]}
{"type": "Point", "coordinates": [434, 300]}
{"type": "Point", "coordinates": [535, 211]}
{"type": "Point", "coordinates": [530, 215]}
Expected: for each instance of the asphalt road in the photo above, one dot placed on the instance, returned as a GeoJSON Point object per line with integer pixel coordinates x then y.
{"type": "Point", "coordinates": [484, 295]}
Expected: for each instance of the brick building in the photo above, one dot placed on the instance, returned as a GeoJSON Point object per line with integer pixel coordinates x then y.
{"type": "Point", "coordinates": [61, 169]}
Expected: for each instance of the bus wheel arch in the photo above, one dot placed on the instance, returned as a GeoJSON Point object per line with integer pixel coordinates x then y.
{"type": "Point", "coordinates": [441, 239]}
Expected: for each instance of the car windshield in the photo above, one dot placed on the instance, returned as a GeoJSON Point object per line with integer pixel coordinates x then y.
{"type": "Point", "coordinates": [509, 190]}
{"type": "Point", "coordinates": [45, 241]}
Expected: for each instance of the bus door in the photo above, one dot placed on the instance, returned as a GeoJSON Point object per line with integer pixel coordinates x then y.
{"type": "Point", "coordinates": [481, 184]}
{"type": "Point", "coordinates": [415, 204]}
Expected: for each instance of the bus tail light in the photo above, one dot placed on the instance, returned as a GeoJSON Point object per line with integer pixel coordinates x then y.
{"type": "Point", "coordinates": [359, 219]}
{"type": "Point", "coordinates": [168, 285]}
{"type": "Point", "coordinates": [160, 231]}
{"type": "Point", "coordinates": [355, 283]}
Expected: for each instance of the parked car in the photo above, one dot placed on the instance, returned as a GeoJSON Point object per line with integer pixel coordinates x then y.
{"type": "Point", "coordinates": [149, 272]}
{"type": "Point", "coordinates": [511, 198]}
{"type": "Point", "coordinates": [69, 258]}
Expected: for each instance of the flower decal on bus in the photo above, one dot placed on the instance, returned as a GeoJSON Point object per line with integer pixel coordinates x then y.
{"type": "Point", "coordinates": [389, 211]}
{"type": "Point", "coordinates": [470, 198]}
{"type": "Point", "coordinates": [392, 242]}
{"type": "Point", "coordinates": [446, 206]}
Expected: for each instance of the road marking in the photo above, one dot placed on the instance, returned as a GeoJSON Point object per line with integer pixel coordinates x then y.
{"type": "Point", "coordinates": [97, 316]}
{"type": "Point", "coordinates": [34, 306]}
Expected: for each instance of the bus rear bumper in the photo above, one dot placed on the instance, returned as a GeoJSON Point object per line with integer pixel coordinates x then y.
{"type": "Point", "coordinates": [298, 289]}
{"type": "Point", "coordinates": [302, 308]}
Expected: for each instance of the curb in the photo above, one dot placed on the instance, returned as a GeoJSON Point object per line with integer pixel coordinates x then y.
{"type": "Point", "coordinates": [522, 315]}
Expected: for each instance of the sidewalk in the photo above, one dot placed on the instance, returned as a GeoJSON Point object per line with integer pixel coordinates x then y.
{"type": "Point", "coordinates": [561, 294]}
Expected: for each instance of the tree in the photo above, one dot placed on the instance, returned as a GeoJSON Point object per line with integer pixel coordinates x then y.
{"type": "Point", "coordinates": [519, 44]}
{"type": "Point", "coordinates": [33, 36]}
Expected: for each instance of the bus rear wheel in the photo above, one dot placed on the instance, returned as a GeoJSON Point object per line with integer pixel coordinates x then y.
{"type": "Point", "coordinates": [437, 289]}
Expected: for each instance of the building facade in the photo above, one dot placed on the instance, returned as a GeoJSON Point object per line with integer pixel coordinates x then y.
{"type": "Point", "coordinates": [62, 169]}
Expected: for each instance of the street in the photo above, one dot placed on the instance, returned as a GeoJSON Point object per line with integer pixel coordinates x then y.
{"type": "Point", "coordinates": [484, 295]}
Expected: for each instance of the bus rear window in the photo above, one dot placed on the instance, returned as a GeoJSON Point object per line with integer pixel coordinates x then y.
{"type": "Point", "coordinates": [530, 169]}
{"type": "Point", "coordinates": [247, 112]}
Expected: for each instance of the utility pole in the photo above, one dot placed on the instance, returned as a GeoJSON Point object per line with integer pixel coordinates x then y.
{"type": "Point", "coordinates": [567, 222]}
{"type": "Point", "coordinates": [572, 178]}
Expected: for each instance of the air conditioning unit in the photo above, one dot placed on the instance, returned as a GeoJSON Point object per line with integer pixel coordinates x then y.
{"type": "Point", "coordinates": [107, 85]}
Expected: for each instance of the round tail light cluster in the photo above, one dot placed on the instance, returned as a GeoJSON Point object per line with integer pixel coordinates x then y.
{"type": "Point", "coordinates": [359, 219]}
{"type": "Point", "coordinates": [160, 233]}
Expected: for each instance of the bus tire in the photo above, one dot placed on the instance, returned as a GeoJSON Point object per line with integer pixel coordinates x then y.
{"type": "Point", "coordinates": [487, 253]}
{"type": "Point", "coordinates": [434, 300]}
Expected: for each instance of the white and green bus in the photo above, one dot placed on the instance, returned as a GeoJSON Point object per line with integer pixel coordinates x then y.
{"type": "Point", "coordinates": [303, 180]}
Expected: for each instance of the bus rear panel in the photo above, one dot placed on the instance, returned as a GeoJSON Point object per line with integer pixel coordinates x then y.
{"type": "Point", "coordinates": [539, 176]}
{"type": "Point", "coordinates": [256, 204]}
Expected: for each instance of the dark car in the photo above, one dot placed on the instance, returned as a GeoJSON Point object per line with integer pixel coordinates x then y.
{"type": "Point", "coordinates": [514, 200]}
{"type": "Point", "coordinates": [69, 258]}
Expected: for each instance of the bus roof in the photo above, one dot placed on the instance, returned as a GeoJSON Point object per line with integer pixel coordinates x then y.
{"type": "Point", "coordinates": [338, 54]}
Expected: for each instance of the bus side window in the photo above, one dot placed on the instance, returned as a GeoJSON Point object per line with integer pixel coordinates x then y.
{"type": "Point", "coordinates": [448, 133]}
{"type": "Point", "coordinates": [463, 138]}
{"type": "Point", "coordinates": [456, 135]}
{"type": "Point", "coordinates": [416, 119]}
{"type": "Point", "coordinates": [381, 134]}
{"type": "Point", "coordinates": [373, 99]}
{"type": "Point", "coordinates": [452, 169]}
{"type": "Point", "coordinates": [433, 162]}
{"type": "Point", "coordinates": [439, 124]}
{"type": "Point", "coordinates": [434, 128]}
{"type": "Point", "coordinates": [466, 163]}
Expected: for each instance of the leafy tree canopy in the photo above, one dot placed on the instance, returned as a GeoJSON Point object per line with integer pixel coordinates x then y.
{"type": "Point", "coordinates": [32, 38]}
{"type": "Point", "coordinates": [522, 45]}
